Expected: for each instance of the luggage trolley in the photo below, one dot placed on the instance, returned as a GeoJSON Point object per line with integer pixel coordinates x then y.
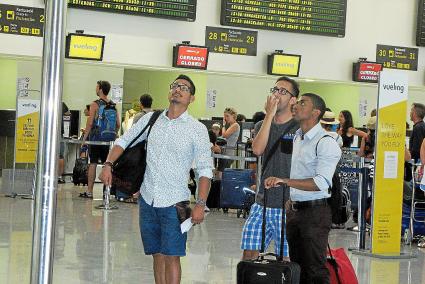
{"type": "Point", "coordinates": [409, 232]}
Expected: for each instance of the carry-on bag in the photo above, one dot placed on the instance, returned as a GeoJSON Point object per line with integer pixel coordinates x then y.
{"type": "Point", "coordinates": [267, 271]}
{"type": "Point", "coordinates": [213, 200]}
{"type": "Point", "coordinates": [235, 186]}
{"type": "Point", "coordinates": [129, 169]}
{"type": "Point", "coordinates": [341, 270]}
{"type": "Point", "coordinates": [80, 170]}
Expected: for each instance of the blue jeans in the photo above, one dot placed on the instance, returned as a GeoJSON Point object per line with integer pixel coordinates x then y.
{"type": "Point", "coordinates": [160, 230]}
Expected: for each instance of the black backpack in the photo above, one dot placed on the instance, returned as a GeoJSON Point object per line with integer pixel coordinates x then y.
{"type": "Point", "coordinates": [339, 200]}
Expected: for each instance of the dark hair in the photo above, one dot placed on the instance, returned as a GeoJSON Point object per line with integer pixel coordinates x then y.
{"type": "Point", "coordinates": [318, 103]}
{"type": "Point", "coordinates": [146, 100]}
{"type": "Point", "coordinates": [370, 143]}
{"type": "Point", "coordinates": [258, 116]}
{"type": "Point", "coordinates": [373, 112]}
{"type": "Point", "coordinates": [419, 110]}
{"type": "Point", "coordinates": [88, 107]}
{"type": "Point", "coordinates": [105, 86]}
{"type": "Point", "coordinates": [348, 121]}
{"type": "Point", "coordinates": [294, 85]}
{"type": "Point", "coordinates": [212, 136]}
{"type": "Point", "coordinates": [192, 85]}
{"type": "Point", "coordinates": [240, 117]}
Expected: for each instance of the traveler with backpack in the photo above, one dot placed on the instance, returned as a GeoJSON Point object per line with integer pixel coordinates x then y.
{"type": "Point", "coordinates": [309, 216]}
{"type": "Point", "coordinates": [102, 125]}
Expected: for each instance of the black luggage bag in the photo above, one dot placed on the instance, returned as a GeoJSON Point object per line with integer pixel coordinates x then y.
{"type": "Point", "coordinates": [213, 200]}
{"type": "Point", "coordinates": [269, 271]}
{"type": "Point", "coordinates": [80, 171]}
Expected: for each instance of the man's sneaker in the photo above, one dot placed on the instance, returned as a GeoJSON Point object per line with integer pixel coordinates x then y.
{"type": "Point", "coordinates": [206, 209]}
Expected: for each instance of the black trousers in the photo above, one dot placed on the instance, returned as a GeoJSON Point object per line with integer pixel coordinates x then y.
{"type": "Point", "coordinates": [307, 235]}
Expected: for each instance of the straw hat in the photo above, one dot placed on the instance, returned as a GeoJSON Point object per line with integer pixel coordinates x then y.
{"type": "Point", "coordinates": [371, 123]}
{"type": "Point", "coordinates": [329, 118]}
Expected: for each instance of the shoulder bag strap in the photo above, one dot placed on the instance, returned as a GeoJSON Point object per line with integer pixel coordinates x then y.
{"type": "Point", "coordinates": [276, 145]}
{"type": "Point", "coordinates": [317, 144]}
{"type": "Point", "coordinates": [334, 264]}
{"type": "Point", "coordinates": [151, 122]}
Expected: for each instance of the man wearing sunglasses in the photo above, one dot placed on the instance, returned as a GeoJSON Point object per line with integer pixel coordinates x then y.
{"type": "Point", "coordinates": [273, 141]}
{"type": "Point", "coordinates": [176, 142]}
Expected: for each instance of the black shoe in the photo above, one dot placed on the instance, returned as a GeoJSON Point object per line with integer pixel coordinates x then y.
{"type": "Point", "coordinates": [61, 180]}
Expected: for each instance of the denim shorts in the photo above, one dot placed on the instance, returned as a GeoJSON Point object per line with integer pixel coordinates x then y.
{"type": "Point", "coordinates": [160, 230]}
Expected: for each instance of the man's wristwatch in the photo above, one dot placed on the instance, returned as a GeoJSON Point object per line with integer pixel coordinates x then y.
{"type": "Point", "coordinates": [108, 163]}
{"type": "Point", "coordinates": [201, 202]}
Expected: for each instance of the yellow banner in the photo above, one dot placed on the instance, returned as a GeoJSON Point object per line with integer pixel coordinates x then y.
{"type": "Point", "coordinates": [389, 164]}
{"type": "Point", "coordinates": [27, 131]}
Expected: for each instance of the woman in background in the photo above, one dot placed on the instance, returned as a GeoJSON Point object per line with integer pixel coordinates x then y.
{"type": "Point", "coordinates": [347, 130]}
{"type": "Point", "coordinates": [230, 132]}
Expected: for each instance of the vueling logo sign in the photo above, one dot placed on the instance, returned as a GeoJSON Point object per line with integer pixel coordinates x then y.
{"type": "Point", "coordinates": [394, 87]}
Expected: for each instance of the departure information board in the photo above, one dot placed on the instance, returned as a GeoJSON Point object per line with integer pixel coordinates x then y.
{"type": "Point", "coordinates": [397, 57]}
{"type": "Point", "coordinates": [420, 31]}
{"type": "Point", "coordinates": [320, 17]}
{"type": "Point", "coordinates": [182, 10]}
{"type": "Point", "coordinates": [20, 20]}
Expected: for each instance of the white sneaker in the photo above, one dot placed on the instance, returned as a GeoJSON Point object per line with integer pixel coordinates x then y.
{"type": "Point", "coordinates": [206, 209]}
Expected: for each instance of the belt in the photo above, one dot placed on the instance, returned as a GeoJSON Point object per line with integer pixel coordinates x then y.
{"type": "Point", "coordinates": [298, 205]}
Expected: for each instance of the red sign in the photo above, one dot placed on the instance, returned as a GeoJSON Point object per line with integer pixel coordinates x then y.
{"type": "Point", "coordinates": [191, 57]}
{"type": "Point", "coordinates": [369, 72]}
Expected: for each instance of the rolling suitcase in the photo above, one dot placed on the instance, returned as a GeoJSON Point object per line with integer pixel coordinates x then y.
{"type": "Point", "coordinates": [235, 187]}
{"type": "Point", "coordinates": [268, 271]}
{"type": "Point", "coordinates": [213, 200]}
{"type": "Point", "coordinates": [79, 173]}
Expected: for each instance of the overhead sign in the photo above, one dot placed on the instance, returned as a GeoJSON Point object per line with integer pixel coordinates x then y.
{"type": "Point", "coordinates": [324, 17]}
{"type": "Point", "coordinates": [82, 46]}
{"type": "Point", "coordinates": [420, 29]}
{"type": "Point", "coordinates": [231, 41]}
{"type": "Point", "coordinates": [366, 71]}
{"type": "Point", "coordinates": [21, 20]}
{"type": "Point", "coordinates": [28, 112]}
{"type": "Point", "coordinates": [190, 56]}
{"type": "Point", "coordinates": [397, 57]}
{"type": "Point", "coordinates": [183, 10]}
{"type": "Point", "coordinates": [284, 64]}
{"type": "Point", "coordinates": [389, 162]}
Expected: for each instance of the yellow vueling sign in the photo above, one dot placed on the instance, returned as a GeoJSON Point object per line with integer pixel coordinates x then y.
{"type": "Point", "coordinates": [87, 47]}
{"type": "Point", "coordinates": [286, 64]}
{"type": "Point", "coordinates": [27, 131]}
{"type": "Point", "coordinates": [389, 162]}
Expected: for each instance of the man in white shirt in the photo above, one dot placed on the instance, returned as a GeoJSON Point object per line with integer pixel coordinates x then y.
{"type": "Point", "coordinates": [314, 158]}
{"type": "Point", "coordinates": [176, 141]}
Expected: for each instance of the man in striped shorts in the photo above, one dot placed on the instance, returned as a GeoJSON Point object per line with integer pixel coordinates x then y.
{"type": "Point", "coordinates": [273, 140]}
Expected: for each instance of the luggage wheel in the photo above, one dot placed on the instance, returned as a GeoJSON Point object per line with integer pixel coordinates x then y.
{"type": "Point", "coordinates": [407, 238]}
{"type": "Point", "coordinates": [239, 213]}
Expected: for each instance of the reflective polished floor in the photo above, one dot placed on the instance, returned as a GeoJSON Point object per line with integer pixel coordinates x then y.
{"type": "Point", "coordinates": [95, 246]}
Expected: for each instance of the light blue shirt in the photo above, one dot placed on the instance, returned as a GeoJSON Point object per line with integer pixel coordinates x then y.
{"type": "Point", "coordinates": [174, 146]}
{"type": "Point", "coordinates": [306, 164]}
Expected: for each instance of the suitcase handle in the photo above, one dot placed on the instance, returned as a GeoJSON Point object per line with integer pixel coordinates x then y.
{"type": "Point", "coordinates": [282, 231]}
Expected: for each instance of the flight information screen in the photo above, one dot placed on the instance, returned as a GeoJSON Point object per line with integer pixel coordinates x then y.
{"type": "Point", "coordinates": [320, 17]}
{"type": "Point", "coordinates": [182, 10]}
